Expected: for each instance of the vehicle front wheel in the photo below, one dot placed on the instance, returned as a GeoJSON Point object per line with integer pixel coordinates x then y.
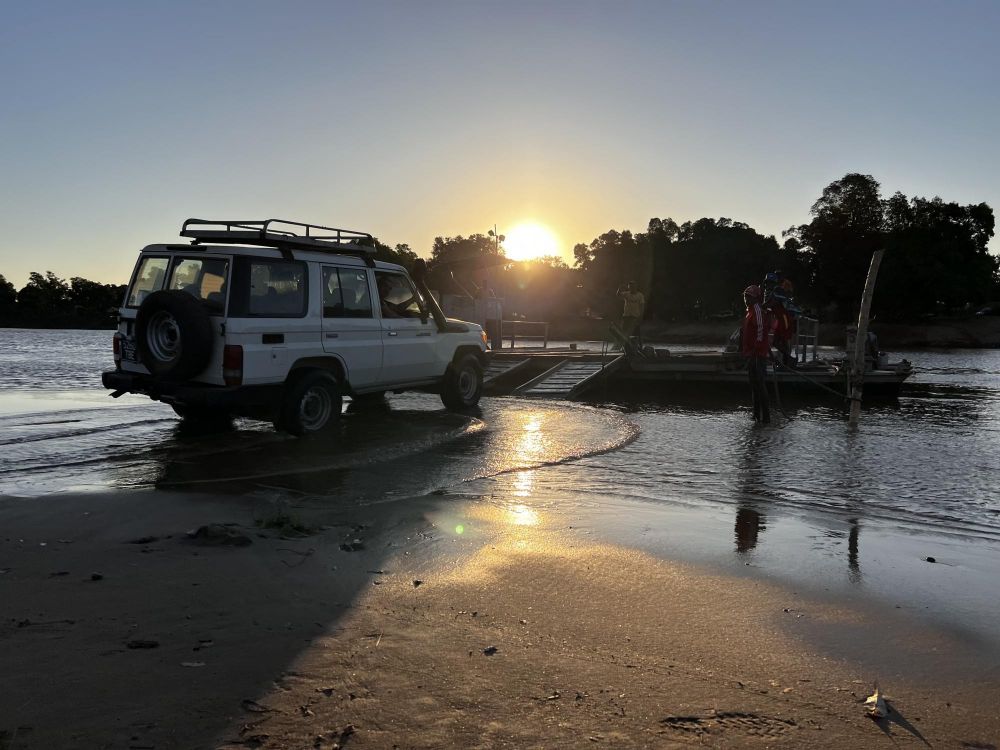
{"type": "Point", "coordinates": [311, 405]}
{"type": "Point", "coordinates": [463, 384]}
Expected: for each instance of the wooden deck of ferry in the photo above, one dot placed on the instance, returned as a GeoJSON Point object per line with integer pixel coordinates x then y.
{"type": "Point", "coordinates": [574, 372]}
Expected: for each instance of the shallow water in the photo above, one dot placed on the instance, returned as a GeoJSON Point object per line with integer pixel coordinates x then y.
{"type": "Point", "coordinates": [804, 500]}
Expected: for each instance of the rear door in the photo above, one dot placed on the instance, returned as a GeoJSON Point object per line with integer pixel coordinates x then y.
{"type": "Point", "coordinates": [409, 336]}
{"type": "Point", "coordinates": [350, 328]}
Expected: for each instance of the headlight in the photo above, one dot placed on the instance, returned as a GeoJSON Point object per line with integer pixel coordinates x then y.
{"type": "Point", "coordinates": [482, 335]}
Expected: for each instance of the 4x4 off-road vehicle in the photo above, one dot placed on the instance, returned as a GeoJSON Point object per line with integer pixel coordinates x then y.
{"type": "Point", "coordinates": [278, 320]}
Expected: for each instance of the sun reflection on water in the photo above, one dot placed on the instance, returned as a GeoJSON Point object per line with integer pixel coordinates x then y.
{"type": "Point", "coordinates": [531, 443]}
{"type": "Point", "coordinates": [524, 482]}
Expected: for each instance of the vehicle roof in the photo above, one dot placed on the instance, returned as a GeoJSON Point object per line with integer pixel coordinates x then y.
{"type": "Point", "coordinates": [266, 252]}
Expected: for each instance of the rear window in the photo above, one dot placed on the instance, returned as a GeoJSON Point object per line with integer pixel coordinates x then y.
{"type": "Point", "coordinates": [148, 279]}
{"type": "Point", "coordinates": [269, 289]}
{"type": "Point", "coordinates": [203, 279]}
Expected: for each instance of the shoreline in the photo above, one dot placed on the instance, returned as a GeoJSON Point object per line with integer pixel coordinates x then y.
{"type": "Point", "coordinates": [293, 640]}
{"type": "Point", "coordinates": [938, 333]}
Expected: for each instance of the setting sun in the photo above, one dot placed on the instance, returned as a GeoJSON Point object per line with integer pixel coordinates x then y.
{"type": "Point", "coordinates": [529, 240]}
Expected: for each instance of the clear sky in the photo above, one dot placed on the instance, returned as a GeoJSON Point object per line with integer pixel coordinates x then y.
{"type": "Point", "coordinates": [422, 118]}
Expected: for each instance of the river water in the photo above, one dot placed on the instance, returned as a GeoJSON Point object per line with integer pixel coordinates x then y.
{"type": "Point", "coordinates": [804, 501]}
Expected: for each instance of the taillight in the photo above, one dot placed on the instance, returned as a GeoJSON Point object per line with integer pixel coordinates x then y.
{"type": "Point", "coordinates": [116, 344]}
{"type": "Point", "coordinates": [232, 364]}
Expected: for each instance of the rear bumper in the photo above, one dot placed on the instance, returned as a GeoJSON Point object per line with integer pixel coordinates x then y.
{"type": "Point", "coordinates": [207, 396]}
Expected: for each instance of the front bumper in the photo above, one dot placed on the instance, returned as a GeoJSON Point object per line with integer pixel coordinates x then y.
{"type": "Point", "coordinates": [188, 394]}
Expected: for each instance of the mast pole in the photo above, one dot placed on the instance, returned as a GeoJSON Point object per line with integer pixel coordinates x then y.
{"type": "Point", "coordinates": [858, 366]}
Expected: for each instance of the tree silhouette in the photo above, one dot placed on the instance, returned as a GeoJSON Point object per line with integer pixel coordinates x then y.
{"type": "Point", "coordinates": [8, 299]}
{"type": "Point", "coordinates": [937, 259]}
{"type": "Point", "coordinates": [838, 243]}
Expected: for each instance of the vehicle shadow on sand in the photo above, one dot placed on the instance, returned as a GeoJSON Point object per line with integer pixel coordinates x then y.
{"type": "Point", "coordinates": [163, 618]}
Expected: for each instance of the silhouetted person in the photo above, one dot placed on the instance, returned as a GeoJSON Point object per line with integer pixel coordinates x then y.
{"type": "Point", "coordinates": [871, 346]}
{"type": "Point", "coordinates": [635, 304]}
{"type": "Point", "coordinates": [782, 325]}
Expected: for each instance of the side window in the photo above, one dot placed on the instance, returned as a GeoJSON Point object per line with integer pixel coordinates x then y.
{"type": "Point", "coordinates": [203, 279]}
{"type": "Point", "coordinates": [149, 279]}
{"type": "Point", "coordinates": [277, 289]}
{"type": "Point", "coordinates": [345, 293]}
{"type": "Point", "coordinates": [397, 296]}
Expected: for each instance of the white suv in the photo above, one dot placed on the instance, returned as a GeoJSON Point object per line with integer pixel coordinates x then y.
{"type": "Point", "coordinates": [278, 320]}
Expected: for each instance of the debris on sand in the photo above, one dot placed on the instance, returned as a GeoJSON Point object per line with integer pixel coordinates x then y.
{"type": "Point", "coordinates": [490, 650]}
{"type": "Point", "coordinates": [218, 534]}
{"type": "Point", "coordinates": [417, 582]}
{"type": "Point", "coordinates": [145, 540]}
{"type": "Point", "coordinates": [136, 643]}
{"type": "Point", "coordinates": [875, 705]}
{"type": "Point", "coordinates": [355, 545]}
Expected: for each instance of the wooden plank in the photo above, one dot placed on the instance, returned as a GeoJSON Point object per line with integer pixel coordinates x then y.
{"type": "Point", "coordinates": [596, 377]}
{"type": "Point", "coordinates": [563, 380]}
{"type": "Point", "coordinates": [535, 381]}
{"type": "Point", "coordinates": [498, 369]}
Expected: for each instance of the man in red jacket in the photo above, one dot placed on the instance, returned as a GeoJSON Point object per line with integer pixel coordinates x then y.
{"type": "Point", "coordinates": [756, 348]}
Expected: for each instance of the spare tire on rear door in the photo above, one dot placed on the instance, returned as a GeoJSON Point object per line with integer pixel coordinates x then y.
{"type": "Point", "coordinates": [173, 334]}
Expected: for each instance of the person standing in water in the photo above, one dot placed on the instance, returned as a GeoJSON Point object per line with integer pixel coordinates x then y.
{"type": "Point", "coordinates": [756, 348]}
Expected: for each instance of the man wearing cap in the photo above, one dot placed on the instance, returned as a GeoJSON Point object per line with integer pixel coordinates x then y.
{"type": "Point", "coordinates": [756, 348]}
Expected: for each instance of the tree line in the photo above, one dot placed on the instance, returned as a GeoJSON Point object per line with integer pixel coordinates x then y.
{"type": "Point", "coordinates": [936, 263]}
{"type": "Point", "coordinates": [937, 260]}
{"type": "Point", "coordinates": [47, 301]}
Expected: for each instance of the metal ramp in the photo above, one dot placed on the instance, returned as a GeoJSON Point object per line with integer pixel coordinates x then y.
{"type": "Point", "coordinates": [499, 368]}
{"type": "Point", "coordinates": [569, 377]}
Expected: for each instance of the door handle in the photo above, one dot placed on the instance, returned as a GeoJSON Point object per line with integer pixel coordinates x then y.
{"type": "Point", "coordinates": [332, 335]}
{"type": "Point", "coordinates": [391, 333]}
{"type": "Point", "coordinates": [424, 333]}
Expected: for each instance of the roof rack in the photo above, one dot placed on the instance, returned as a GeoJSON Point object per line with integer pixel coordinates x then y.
{"type": "Point", "coordinates": [282, 235]}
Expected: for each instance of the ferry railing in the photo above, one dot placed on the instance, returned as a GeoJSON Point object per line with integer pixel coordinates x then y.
{"type": "Point", "coordinates": [806, 338]}
{"type": "Point", "coordinates": [537, 324]}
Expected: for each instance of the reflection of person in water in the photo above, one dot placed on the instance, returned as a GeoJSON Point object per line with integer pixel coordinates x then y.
{"type": "Point", "coordinates": [749, 524]}
{"type": "Point", "coordinates": [752, 492]}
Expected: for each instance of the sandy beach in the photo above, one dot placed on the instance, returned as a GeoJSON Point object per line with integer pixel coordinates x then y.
{"type": "Point", "coordinates": [635, 573]}
{"type": "Point", "coordinates": [437, 621]}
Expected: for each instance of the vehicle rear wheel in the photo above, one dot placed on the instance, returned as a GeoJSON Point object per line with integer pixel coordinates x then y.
{"type": "Point", "coordinates": [311, 405]}
{"type": "Point", "coordinates": [463, 383]}
{"type": "Point", "coordinates": [173, 334]}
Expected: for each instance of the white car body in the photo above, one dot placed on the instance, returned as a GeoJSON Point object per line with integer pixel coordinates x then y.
{"type": "Point", "coordinates": [284, 311]}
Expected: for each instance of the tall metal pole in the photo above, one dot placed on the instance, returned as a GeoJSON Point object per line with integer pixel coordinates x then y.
{"type": "Point", "coordinates": [858, 366]}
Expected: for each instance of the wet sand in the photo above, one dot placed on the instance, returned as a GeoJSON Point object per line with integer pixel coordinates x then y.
{"type": "Point", "coordinates": [120, 631]}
